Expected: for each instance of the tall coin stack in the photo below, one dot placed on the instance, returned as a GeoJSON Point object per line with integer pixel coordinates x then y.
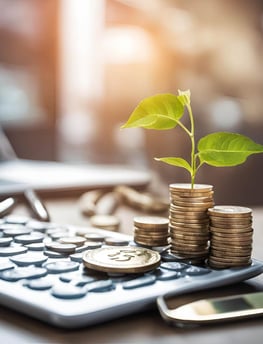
{"type": "Point", "coordinates": [151, 230]}
{"type": "Point", "coordinates": [231, 236]}
{"type": "Point", "coordinates": [189, 221]}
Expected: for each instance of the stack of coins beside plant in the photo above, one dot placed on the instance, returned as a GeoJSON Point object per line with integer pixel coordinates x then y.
{"type": "Point", "coordinates": [220, 149]}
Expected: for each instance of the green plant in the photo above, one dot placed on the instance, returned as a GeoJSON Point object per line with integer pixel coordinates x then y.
{"type": "Point", "coordinates": [220, 149]}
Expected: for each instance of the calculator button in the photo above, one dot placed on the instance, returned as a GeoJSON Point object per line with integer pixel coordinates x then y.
{"type": "Point", "coordinates": [196, 271]}
{"type": "Point", "coordinates": [168, 257]}
{"type": "Point", "coordinates": [58, 235]}
{"type": "Point", "coordinates": [101, 286]}
{"type": "Point", "coordinates": [42, 283]}
{"type": "Point", "coordinates": [166, 275]}
{"type": "Point", "coordinates": [16, 219]}
{"type": "Point", "coordinates": [76, 257]}
{"type": "Point", "coordinates": [17, 274]}
{"type": "Point", "coordinates": [61, 266]}
{"type": "Point", "coordinates": [39, 246]}
{"type": "Point", "coordinates": [68, 291]}
{"type": "Point", "coordinates": [6, 265]}
{"type": "Point", "coordinates": [89, 245]}
{"type": "Point", "coordinates": [29, 238]}
{"type": "Point", "coordinates": [53, 254]}
{"type": "Point", "coordinates": [6, 241]}
{"type": "Point", "coordinates": [116, 242]}
{"type": "Point", "coordinates": [95, 237]}
{"type": "Point", "coordinates": [76, 240]}
{"type": "Point", "coordinates": [28, 259]}
{"type": "Point", "coordinates": [139, 282]}
{"type": "Point", "coordinates": [38, 225]}
{"type": "Point", "coordinates": [12, 250]}
{"type": "Point", "coordinates": [175, 266]}
{"type": "Point", "coordinates": [62, 248]}
{"type": "Point", "coordinates": [77, 279]}
{"type": "Point", "coordinates": [14, 230]}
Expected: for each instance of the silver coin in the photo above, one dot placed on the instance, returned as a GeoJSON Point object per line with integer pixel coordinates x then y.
{"type": "Point", "coordinates": [123, 259]}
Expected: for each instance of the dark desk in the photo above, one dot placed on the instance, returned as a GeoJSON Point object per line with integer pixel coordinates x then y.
{"type": "Point", "coordinates": [143, 328]}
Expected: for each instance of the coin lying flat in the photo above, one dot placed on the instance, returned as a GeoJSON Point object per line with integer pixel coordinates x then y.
{"type": "Point", "coordinates": [123, 259]}
{"type": "Point", "coordinates": [229, 210]}
{"type": "Point", "coordinates": [151, 222]}
{"type": "Point", "coordinates": [186, 187]}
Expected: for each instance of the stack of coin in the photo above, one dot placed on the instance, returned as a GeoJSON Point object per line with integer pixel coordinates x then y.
{"type": "Point", "coordinates": [189, 221]}
{"type": "Point", "coordinates": [151, 230]}
{"type": "Point", "coordinates": [231, 236]}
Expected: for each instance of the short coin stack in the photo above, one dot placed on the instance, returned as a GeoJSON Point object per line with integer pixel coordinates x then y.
{"type": "Point", "coordinates": [231, 236]}
{"type": "Point", "coordinates": [189, 221]}
{"type": "Point", "coordinates": [151, 230]}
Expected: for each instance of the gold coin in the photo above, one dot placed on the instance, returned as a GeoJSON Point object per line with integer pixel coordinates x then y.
{"type": "Point", "coordinates": [231, 240]}
{"type": "Point", "coordinates": [217, 265]}
{"type": "Point", "coordinates": [186, 187]}
{"type": "Point", "coordinates": [218, 246]}
{"type": "Point", "coordinates": [194, 205]}
{"type": "Point", "coordinates": [186, 225]}
{"type": "Point", "coordinates": [195, 233]}
{"type": "Point", "coordinates": [230, 211]}
{"type": "Point", "coordinates": [192, 199]}
{"type": "Point", "coordinates": [235, 240]}
{"type": "Point", "coordinates": [151, 230]}
{"type": "Point", "coordinates": [217, 217]}
{"type": "Point", "coordinates": [185, 196]}
{"type": "Point", "coordinates": [189, 245]}
{"type": "Point", "coordinates": [230, 253]}
{"type": "Point", "coordinates": [151, 222]}
{"type": "Point", "coordinates": [188, 215]}
{"type": "Point", "coordinates": [234, 222]}
{"type": "Point", "coordinates": [191, 207]}
{"type": "Point", "coordinates": [229, 259]}
{"type": "Point", "coordinates": [185, 210]}
{"type": "Point", "coordinates": [199, 254]}
{"type": "Point", "coordinates": [150, 237]}
{"type": "Point", "coordinates": [122, 259]}
{"type": "Point", "coordinates": [189, 220]}
{"type": "Point", "coordinates": [151, 243]}
{"type": "Point", "coordinates": [235, 230]}
{"type": "Point", "coordinates": [189, 238]}
{"type": "Point", "coordinates": [230, 225]}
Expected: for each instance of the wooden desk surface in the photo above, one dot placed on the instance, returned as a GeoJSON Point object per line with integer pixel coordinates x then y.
{"type": "Point", "coordinates": [143, 328]}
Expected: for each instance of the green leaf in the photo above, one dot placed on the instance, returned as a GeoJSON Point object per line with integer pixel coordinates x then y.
{"type": "Point", "coordinates": [226, 149]}
{"type": "Point", "coordinates": [184, 97]}
{"type": "Point", "coordinates": [160, 112]}
{"type": "Point", "coordinates": [179, 162]}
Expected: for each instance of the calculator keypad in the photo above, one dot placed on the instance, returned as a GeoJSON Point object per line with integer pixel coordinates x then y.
{"type": "Point", "coordinates": [48, 257]}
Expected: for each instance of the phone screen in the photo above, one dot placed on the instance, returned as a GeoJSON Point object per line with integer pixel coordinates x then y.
{"type": "Point", "coordinates": [231, 304]}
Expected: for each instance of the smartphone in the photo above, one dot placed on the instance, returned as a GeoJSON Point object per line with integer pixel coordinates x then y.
{"type": "Point", "coordinates": [214, 310]}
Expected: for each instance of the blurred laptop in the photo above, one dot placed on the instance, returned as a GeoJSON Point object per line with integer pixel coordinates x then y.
{"type": "Point", "coordinates": [17, 175]}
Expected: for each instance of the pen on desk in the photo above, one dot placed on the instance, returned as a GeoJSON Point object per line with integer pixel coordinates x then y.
{"type": "Point", "coordinates": [7, 205]}
{"type": "Point", "coordinates": [36, 205]}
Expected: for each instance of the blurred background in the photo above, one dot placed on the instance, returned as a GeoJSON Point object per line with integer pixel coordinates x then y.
{"type": "Point", "coordinates": [72, 71]}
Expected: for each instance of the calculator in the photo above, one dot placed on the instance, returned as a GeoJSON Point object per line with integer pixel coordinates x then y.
{"type": "Point", "coordinates": [50, 283]}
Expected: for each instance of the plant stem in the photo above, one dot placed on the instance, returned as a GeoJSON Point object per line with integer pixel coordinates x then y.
{"type": "Point", "coordinates": [192, 137]}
